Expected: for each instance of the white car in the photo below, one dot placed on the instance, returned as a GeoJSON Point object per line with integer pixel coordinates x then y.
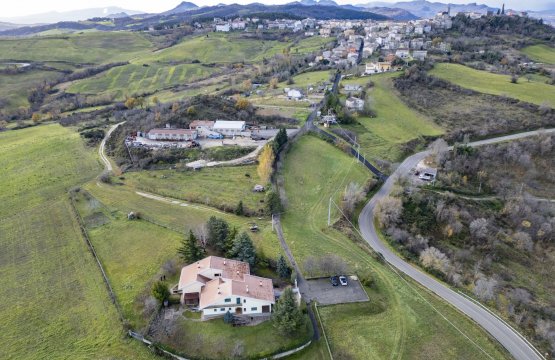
{"type": "Point", "coordinates": [426, 177]}
{"type": "Point", "coordinates": [343, 281]}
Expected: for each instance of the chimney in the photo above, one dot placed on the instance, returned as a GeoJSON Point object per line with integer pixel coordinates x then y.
{"type": "Point", "coordinates": [260, 282]}
{"type": "Point", "coordinates": [247, 288]}
{"type": "Point", "coordinates": [198, 265]}
{"type": "Point", "coordinates": [219, 292]}
{"type": "Point", "coordinates": [224, 261]}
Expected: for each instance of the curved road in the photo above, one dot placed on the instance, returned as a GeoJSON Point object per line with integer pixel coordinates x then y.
{"type": "Point", "coordinates": [515, 343]}
{"type": "Point", "coordinates": [101, 150]}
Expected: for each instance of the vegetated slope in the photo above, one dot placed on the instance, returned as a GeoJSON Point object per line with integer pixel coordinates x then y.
{"type": "Point", "coordinates": [86, 48]}
{"type": "Point", "coordinates": [15, 88]}
{"type": "Point", "coordinates": [54, 303]}
{"type": "Point", "coordinates": [542, 53]}
{"type": "Point", "coordinates": [462, 111]}
{"type": "Point", "coordinates": [394, 124]}
{"type": "Point", "coordinates": [400, 320]}
{"type": "Point", "coordinates": [217, 48]}
{"type": "Point", "coordinates": [530, 91]}
{"type": "Point", "coordinates": [134, 79]}
{"type": "Point", "coordinates": [479, 229]}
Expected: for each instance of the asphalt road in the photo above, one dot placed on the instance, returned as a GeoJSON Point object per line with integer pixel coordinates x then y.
{"type": "Point", "coordinates": [515, 343]}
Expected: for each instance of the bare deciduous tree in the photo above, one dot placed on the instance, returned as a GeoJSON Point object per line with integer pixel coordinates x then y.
{"type": "Point", "coordinates": [433, 258]}
{"type": "Point", "coordinates": [484, 288]}
{"type": "Point", "coordinates": [388, 211]}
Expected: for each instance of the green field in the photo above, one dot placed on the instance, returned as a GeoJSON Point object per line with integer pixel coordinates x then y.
{"type": "Point", "coordinates": [395, 123]}
{"type": "Point", "coordinates": [54, 303]}
{"type": "Point", "coordinates": [402, 320]}
{"type": "Point", "coordinates": [219, 187]}
{"type": "Point", "coordinates": [180, 218]}
{"type": "Point", "coordinates": [311, 44]}
{"type": "Point", "coordinates": [540, 53]}
{"type": "Point", "coordinates": [133, 79]}
{"type": "Point", "coordinates": [311, 78]}
{"type": "Point", "coordinates": [86, 48]}
{"type": "Point", "coordinates": [533, 92]}
{"type": "Point", "coordinates": [216, 48]}
{"type": "Point", "coordinates": [15, 89]}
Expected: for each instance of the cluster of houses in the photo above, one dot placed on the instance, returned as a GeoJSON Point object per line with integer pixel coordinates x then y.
{"type": "Point", "coordinates": [347, 52]}
{"type": "Point", "coordinates": [218, 285]}
{"type": "Point", "coordinates": [221, 25]}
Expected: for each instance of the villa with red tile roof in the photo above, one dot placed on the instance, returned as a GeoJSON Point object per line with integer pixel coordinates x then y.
{"type": "Point", "coordinates": [218, 285]}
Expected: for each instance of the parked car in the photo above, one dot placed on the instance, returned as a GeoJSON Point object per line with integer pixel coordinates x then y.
{"type": "Point", "coordinates": [254, 228]}
{"type": "Point", "coordinates": [334, 280]}
{"type": "Point", "coordinates": [343, 281]}
{"type": "Point", "coordinates": [215, 136]}
{"type": "Point", "coordinates": [426, 177]}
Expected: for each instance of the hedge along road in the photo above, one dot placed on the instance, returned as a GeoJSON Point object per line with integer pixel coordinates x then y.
{"type": "Point", "coordinates": [515, 343]}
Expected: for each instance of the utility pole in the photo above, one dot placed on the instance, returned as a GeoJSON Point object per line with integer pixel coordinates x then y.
{"type": "Point", "coordinates": [272, 222]}
{"type": "Point", "coordinates": [329, 213]}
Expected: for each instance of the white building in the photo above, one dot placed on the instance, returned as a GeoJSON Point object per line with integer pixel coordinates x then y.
{"type": "Point", "coordinates": [203, 127]}
{"type": "Point", "coordinates": [419, 55]}
{"type": "Point", "coordinates": [354, 103]}
{"type": "Point", "coordinates": [229, 128]}
{"type": "Point", "coordinates": [294, 94]}
{"type": "Point", "coordinates": [218, 285]}
{"type": "Point", "coordinates": [172, 134]}
{"type": "Point", "coordinates": [402, 53]}
{"type": "Point", "coordinates": [223, 27]}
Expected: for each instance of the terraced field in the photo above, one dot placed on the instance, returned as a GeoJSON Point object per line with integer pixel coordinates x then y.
{"type": "Point", "coordinates": [53, 303]}
{"type": "Point", "coordinates": [134, 79]}
{"type": "Point", "coordinates": [395, 123]}
{"type": "Point", "coordinates": [533, 92]}
{"type": "Point", "coordinates": [541, 53]}
{"type": "Point", "coordinates": [402, 320]}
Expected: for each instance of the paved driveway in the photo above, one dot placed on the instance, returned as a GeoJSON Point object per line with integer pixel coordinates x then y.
{"type": "Point", "coordinates": [322, 291]}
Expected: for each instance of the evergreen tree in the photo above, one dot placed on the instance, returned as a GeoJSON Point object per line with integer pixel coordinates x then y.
{"type": "Point", "coordinates": [218, 230]}
{"type": "Point", "coordinates": [228, 317]}
{"type": "Point", "coordinates": [280, 140]}
{"type": "Point", "coordinates": [240, 210]}
{"type": "Point", "coordinates": [229, 241]}
{"type": "Point", "coordinates": [160, 291]}
{"type": "Point", "coordinates": [273, 203]}
{"type": "Point", "coordinates": [190, 250]}
{"type": "Point", "coordinates": [283, 269]}
{"type": "Point", "coordinates": [287, 317]}
{"type": "Point", "coordinates": [243, 249]}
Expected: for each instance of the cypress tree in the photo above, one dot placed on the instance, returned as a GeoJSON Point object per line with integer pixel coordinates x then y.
{"type": "Point", "coordinates": [218, 231]}
{"type": "Point", "coordinates": [243, 249]}
{"type": "Point", "coordinates": [283, 269]}
{"type": "Point", "coordinates": [190, 250]}
{"type": "Point", "coordinates": [287, 317]}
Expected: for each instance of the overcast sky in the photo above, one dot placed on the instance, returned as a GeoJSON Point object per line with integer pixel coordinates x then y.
{"type": "Point", "coordinates": [27, 7]}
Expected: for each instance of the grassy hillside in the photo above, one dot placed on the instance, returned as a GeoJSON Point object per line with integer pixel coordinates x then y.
{"type": "Point", "coordinates": [53, 303]}
{"type": "Point", "coordinates": [137, 79]}
{"type": "Point", "coordinates": [533, 92]}
{"type": "Point", "coordinates": [92, 47]}
{"type": "Point", "coordinates": [540, 53]}
{"type": "Point", "coordinates": [395, 123]}
{"type": "Point", "coordinates": [14, 89]}
{"type": "Point", "coordinates": [402, 320]}
{"type": "Point", "coordinates": [224, 186]}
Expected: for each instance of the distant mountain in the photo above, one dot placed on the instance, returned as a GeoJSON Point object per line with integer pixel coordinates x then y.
{"type": "Point", "coordinates": [8, 26]}
{"type": "Point", "coordinates": [548, 16]}
{"type": "Point", "coordinates": [76, 15]}
{"type": "Point", "coordinates": [394, 13]}
{"type": "Point", "coordinates": [183, 7]}
{"type": "Point", "coordinates": [427, 9]}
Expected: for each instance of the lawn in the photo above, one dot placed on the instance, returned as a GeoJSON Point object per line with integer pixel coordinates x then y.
{"type": "Point", "coordinates": [395, 123]}
{"type": "Point", "coordinates": [533, 92]}
{"type": "Point", "coordinates": [216, 48]}
{"type": "Point", "coordinates": [218, 187]}
{"type": "Point", "coordinates": [541, 53]}
{"type": "Point", "coordinates": [310, 45]}
{"type": "Point", "coordinates": [133, 79]}
{"type": "Point", "coordinates": [14, 89]}
{"type": "Point", "coordinates": [181, 218]}
{"type": "Point", "coordinates": [311, 78]}
{"type": "Point", "coordinates": [402, 320]}
{"type": "Point", "coordinates": [54, 303]}
{"type": "Point", "coordinates": [216, 340]}
{"type": "Point", "coordinates": [92, 47]}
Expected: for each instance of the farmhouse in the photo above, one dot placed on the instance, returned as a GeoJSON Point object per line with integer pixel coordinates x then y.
{"type": "Point", "coordinates": [353, 87]}
{"type": "Point", "coordinates": [294, 94]}
{"type": "Point", "coordinates": [172, 134]}
{"type": "Point", "coordinates": [229, 128]}
{"type": "Point", "coordinates": [203, 127]}
{"type": "Point", "coordinates": [354, 103]}
{"type": "Point", "coordinates": [218, 285]}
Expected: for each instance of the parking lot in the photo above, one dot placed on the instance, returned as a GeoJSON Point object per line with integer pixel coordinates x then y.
{"type": "Point", "coordinates": [322, 291]}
